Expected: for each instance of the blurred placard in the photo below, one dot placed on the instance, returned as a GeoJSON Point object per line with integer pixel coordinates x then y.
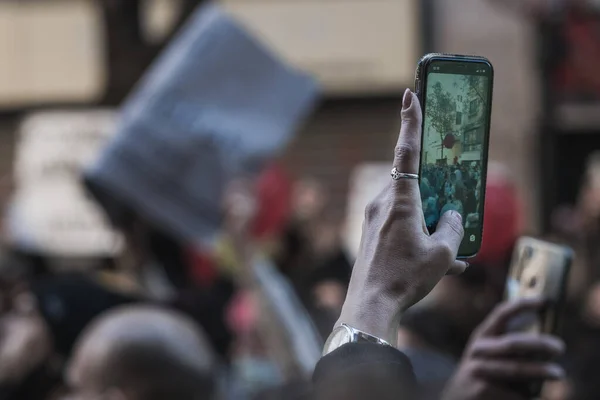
{"type": "Point", "coordinates": [366, 182]}
{"type": "Point", "coordinates": [58, 145]}
{"type": "Point", "coordinates": [50, 51]}
{"type": "Point", "coordinates": [50, 212]}
{"type": "Point", "coordinates": [352, 46]}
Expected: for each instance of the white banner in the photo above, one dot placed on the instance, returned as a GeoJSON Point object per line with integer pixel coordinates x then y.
{"type": "Point", "coordinates": [50, 212]}
{"type": "Point", "coordinates": [58, 145]}
{"type": "Point", "coordinates": [366, 182]}
{"type": "Point", "coordinates": [59, 220]}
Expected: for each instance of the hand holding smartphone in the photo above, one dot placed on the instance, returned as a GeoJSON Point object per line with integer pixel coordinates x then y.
{"type": "Point", "coordinates": [456, 97]}
{"type": "Point", "coordinates": [539, 269]}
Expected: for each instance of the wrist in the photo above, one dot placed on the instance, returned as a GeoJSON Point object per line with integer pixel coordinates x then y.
{"type": "Point", "coordinates": [377, 315]}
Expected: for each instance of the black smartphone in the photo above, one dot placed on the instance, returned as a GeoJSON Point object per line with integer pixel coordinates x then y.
{"type": "Point", "coordinates": [538, 269]}
{"type": "Point", "coordinates": [456, 97]}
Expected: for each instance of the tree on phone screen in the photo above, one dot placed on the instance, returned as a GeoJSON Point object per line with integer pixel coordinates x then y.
{"type": "Point", "coordinates": [476, 86]}
{"type": "Point", "coordinates": [441, 116]}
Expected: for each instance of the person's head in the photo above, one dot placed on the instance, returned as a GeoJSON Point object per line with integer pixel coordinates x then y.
{"type": "Point", "coordinates": [43, 321]}
{"type": "Point", "coordinates": [460, 194]}
{"type": "Point", "coordinates": [308, 200]}
{"type": "Point", "coordinates": [442, 201]}
{"type": "Point", "coordinates": [141, 353]}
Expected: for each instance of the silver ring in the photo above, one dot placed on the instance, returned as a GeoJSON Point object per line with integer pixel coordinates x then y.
{"type": "Point", "coordinates": [397, 175]}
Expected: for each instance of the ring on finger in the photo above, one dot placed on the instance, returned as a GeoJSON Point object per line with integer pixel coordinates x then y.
{"type": "Point", "coordinates": [397, 175]}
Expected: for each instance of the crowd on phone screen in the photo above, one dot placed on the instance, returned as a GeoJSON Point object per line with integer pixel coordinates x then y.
{"type": "Point", "coordinates": [170, 320]}
{"type": "Point", "coordinates": [451, 187]}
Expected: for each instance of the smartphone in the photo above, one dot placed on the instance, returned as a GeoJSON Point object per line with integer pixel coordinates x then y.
{"type": "Point", "coordinates": [538, 269]}
{"type": "Point", "coordinates": [456, 97]}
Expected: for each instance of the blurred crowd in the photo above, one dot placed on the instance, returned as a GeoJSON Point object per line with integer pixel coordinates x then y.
{"type": "Point", "coordinates": [243, 312]}
{"type": "Point", "coordinates": [451, 187]}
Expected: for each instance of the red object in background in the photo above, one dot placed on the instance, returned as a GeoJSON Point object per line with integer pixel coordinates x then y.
{"type": "Point", "coordinates": [241, 314]}
{"type": "Point", "coordinates": [577, 72]}
{"type": "Point", "coordinates": [274, 200]}
{"type": "Point", "coordinates": [503, 219]}
{"type": "Point", "coordinates": [449, 141]}
{"type": "Point", "coordinates": [202, 267]}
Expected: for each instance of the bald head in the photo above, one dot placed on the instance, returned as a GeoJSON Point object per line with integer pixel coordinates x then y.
{"type": "Point", "coordinates": [144, 353]}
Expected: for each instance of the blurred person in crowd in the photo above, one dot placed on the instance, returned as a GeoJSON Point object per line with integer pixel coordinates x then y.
{"type": "Point", "coordinates": [579, 226]}
{"type": "Point", "coordinates": [582, 334]}
{"type": "Point", "coordinates": [142, 353]}
{"type": "Point", "coordinates": [397, 266]}
{"type": "Point", "coordinates": [434, 333]}
{"type": "Point", "coordinates": [451, 187]}
{"type": "Point", "coordinates": [275, 342]}
{"type": "Point", "coordinates": [38, 331]}
{"type": "Point", "coordinates": [311, 255]}
{"type": "Point", "coordinates": [184, 133]}
{"type": "Point", "coordinates": [168, 270]}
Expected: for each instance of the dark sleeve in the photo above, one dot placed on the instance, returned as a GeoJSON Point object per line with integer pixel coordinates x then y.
{"type": "Point", "coordinates": [364, 370]}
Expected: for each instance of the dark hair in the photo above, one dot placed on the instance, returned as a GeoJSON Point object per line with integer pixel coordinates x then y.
{"type": "Point", "coordinates": [459, 193]}
{"type": "Point", "coordinates": [69, 302]}
{"type": "Point", "coordinates": [155, 375]}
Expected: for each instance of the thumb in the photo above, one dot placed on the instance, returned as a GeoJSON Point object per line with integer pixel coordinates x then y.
{"type": "Point", "coordinates": [450, 231]}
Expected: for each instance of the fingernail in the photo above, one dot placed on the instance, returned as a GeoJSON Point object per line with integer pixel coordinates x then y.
{"type": "Point", "coordinates": [556, 371]}
{"type": "Point", "coordinates": [407, 99]}
{"type": "Point", "coordinates": [466, 265]}
{"type": "Point", "coordinates": [456, 215]}
{"type": "Point", "coordinates": [560, 345]}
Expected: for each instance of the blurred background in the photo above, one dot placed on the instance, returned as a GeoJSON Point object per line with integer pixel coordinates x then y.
{"type": "Point", "coordinates": [66, 66]}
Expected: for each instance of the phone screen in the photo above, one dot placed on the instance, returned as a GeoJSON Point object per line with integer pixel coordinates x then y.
{"type": "Point", "coordinates": [457, 108]}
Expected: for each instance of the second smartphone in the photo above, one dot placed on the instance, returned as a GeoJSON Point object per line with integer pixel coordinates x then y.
{"type": "Point", "coordinates": [456, 97]}
{"type": "Point", "coordinates": [538, 269]}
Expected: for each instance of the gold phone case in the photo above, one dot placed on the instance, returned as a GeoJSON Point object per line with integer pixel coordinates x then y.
{"type": "Point", "coordinates": [539, 269]}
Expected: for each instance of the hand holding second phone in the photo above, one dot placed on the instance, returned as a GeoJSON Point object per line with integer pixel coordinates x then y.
{"type": "Point", "coordinates": [399, 263]}
{"type": "Point", "coordinates": [495, 361]}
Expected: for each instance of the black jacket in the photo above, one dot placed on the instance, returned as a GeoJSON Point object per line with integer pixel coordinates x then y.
{"type": "Point", "coordinates": [364, 371]}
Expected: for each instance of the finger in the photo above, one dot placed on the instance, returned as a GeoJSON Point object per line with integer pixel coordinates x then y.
{"type": "Point", "coordinates": [450, 231]}
{"type": "Point", "coordinates": [508, 370]}
{"type": "Point", "coordinates": [518, 344]}
{"type": "Point", "coordinates": [408, 148]}
{"type": "Point", "coordinates": [457, 268]}
{"type": "Point", "coordinates": [499, 393]}
{"type": "Point", "coordinates": [495, 323]}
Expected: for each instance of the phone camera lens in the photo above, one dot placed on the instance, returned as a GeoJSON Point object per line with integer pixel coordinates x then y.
{"type": "Point", "coordinates": [532, 282]}
{"type": "Point", "coordinates": [528, 254]}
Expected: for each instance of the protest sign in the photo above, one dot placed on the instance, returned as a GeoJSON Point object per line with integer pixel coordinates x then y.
{"type": "Point", "coordinates": [215, 105]}
{"type": "Point", "coordinates": [50, 212]}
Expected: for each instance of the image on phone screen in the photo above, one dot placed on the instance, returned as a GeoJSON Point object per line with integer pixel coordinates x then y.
{"type": "Point", "coordinates": [455, 131]}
